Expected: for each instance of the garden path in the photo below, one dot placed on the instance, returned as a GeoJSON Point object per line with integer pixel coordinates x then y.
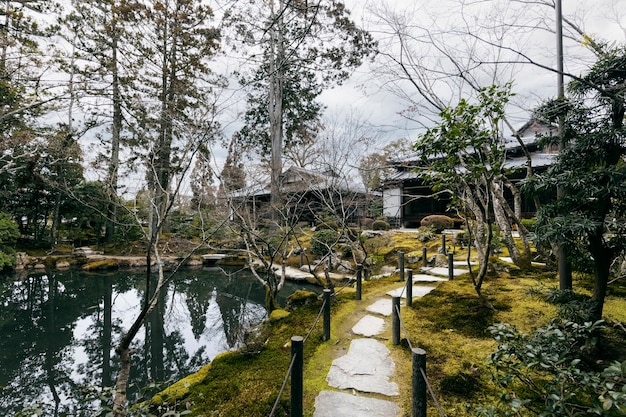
{"type": "Point", "coordinates": [362, 379]}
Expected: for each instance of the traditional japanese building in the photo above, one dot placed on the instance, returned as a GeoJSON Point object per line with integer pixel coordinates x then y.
{"type": "Point", "coordinates": [407, 198]}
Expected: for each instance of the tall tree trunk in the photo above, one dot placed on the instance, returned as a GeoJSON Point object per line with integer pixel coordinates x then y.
{"type": "Point", "coordinates": [483, 236]}
{"type": "Point", "coordinates": [602, 264]}
{"type": "Point", "coordinates": [276, 108]}
{"type": "Point", "coordinates": [120, 399]}
{"type": "Point", "coordinates": [116, 130]}
{"type": "Point", "coordinates": [65, 142]}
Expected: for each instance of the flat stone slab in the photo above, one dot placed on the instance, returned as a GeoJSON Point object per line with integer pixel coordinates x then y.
{"type": "Point", "coordinates": [339, 404]}
{"type": "Point", "coordinates": [427, 278]}
{"type": "Point", "coordinates": [366, 367]}
{"type": "Point", "coordinates": [301, 275]}
{"type": "Point", "coordinates": [418, 291]}
{"type": "Point", "coordinates": [464, 263]}
{"type": "Point", "coordinates": [444, 271]}
{"type": "Point", "coordinates": [369, 326]}
{"type": "Point", "coordinates": [510, 260]}
{"type": "Point", "coordinates": [382, 307]}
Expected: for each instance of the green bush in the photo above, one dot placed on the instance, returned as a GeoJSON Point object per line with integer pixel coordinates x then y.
{"type": "Point", "coordinates": [346, 251]}
{"type": "Point", "coordinates": [438, 221]}
{"type": "Point", "coordinates": [322, 241]}
{"type": "Point", "coordinates": [553, 372]}
{"type": "Point", "coordinates": [380, 225]}
{"type": "Point", "coordinates": [426, 233]}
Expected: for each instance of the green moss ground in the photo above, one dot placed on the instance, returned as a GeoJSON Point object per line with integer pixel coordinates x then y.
{"type": "Point", "coordinates": [450, 324]}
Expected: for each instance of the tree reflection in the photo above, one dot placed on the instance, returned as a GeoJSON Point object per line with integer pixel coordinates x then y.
{"type": "Point", "coordinates": [58, 330]}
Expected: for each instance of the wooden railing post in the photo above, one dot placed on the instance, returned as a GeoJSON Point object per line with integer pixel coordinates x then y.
{"type": "Point", "coordinates": [425, 256]}
{"type": "Point", "coordinates": [297, 391]}
{"type": "Point", "coordinates": [401, 264]}
{"type": "Point", "coordinates": [444, 248]}
{"type": "Point", "coordinates": [419, 383]}
{"type": "Point", "coordinates": [395, 320]}
{"type": "Point", "coordinates": [450, 266]}
{"type": "Point", "coordinates": [327, 294]}
{"type": "Point", "coordinates": [409, 288]}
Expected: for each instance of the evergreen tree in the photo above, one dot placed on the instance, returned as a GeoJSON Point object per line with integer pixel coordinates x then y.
{"type": "Point", "coordinates": [298, 49]}
{"type": "Point", "coordinates": [588, 219]}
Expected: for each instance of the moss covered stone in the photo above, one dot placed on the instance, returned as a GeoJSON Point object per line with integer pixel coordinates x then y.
{"type": "Point", "coordinates": [300, 298]}
{"type": "Point", "coordinates": [278, 314]}
{"type": "Point", "coordinates": [101, 265]}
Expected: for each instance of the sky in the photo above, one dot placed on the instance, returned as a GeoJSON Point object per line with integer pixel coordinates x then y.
{"type": "Point", "coordinates": [366, 91]}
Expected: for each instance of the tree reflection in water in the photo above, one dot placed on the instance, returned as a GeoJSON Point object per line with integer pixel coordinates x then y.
{"type": "Point", "coordinates": [58, 330]}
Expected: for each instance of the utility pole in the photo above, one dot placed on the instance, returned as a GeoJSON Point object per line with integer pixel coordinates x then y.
{"type": "Point", "coordinates": [565, 267]}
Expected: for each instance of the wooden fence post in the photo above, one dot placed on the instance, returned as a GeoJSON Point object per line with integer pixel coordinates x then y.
{"type": "Point", "coordinates": [327, 294]}
{"type": "Point", "coordinates": [359, 281]}
{"type": "Point", "coordinates": [444, 248]}
{"type": "Point", "coordinates": [409, 288]}
{"type": "Point", "coordinates": [450, 266]}
{"type": "Point", "coordinates": [425, 256]}
{"type": "Point", "coordinates": [401, 264]}
{"type": "Point", "coordinates": [419, 383]}
{"type": "Point", "coordinates": [297, 391]}
{"type": "Point", "coordinates": [395, 320]}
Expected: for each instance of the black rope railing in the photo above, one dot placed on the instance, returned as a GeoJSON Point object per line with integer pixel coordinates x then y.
{"type": "Point", "coordinates": [432, 393]}
{"type": "Point", "coordinates": [282, 388]}
{"type": "Point", "coordinates": [293, 360]}
{"type": "Point", "coordinates": [345, 285]}
{"type": "Point", "coordinates": [398, 317]}
{"type": "Point", "coordinates": [317, 319]}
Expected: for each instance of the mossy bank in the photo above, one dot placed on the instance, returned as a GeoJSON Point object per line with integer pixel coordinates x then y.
{"type": "Point", "coordinates": [451, 324]}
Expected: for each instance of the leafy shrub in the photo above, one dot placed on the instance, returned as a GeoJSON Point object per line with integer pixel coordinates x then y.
{"type": "Point", "coordinates": [551, 373]}
{"type": "Point", "coordinates": [426, 233]}
{"type": "Point", "coordinates": [380, 225]}
{"type": "Point", "coordinates": [346, 251]}
{"type": "Point", "coordinates": [438, 221]}
{"type": "Point", "coordinates": [574, 307]}
{"type": "Point", "coordinates": [329, 224]}
{"type": "Point", "coordinates": [322, 241]}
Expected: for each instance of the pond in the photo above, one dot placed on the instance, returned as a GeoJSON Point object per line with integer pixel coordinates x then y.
{"type": "Point", "coordinates": [58, 331]}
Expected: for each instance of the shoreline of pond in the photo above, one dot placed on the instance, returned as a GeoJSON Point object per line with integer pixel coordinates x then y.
{"type": "Point", "coordinates": [91, 261]}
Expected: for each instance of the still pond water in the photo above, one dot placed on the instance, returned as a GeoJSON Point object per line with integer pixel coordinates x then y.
{"type": "Point", "coordinates": [58, 330]}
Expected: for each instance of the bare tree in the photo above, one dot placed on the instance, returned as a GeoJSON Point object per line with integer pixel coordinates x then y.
{"type": "Point", "coordinates": [432, 63]}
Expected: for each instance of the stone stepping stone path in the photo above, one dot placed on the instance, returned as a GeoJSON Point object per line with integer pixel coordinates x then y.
{"type": "Point", "coordinates": [372, 375]}
{"type": "Point", "coordinates": [418, 291]}
{"type": "Point", "coordinates": [382, 307]}
{"type": "Point", "coordinates": [437, 270]}
{"type": "Point", "coordinates": [367, 369]}
{"type": "Point", "coordinates": [337, 404]}
{"type": "Point", "coordinates": [428, 278]}
{"type": "Point", "coordinates": [369, 326]}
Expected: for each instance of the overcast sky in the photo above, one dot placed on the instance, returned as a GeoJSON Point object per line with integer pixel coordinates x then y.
{"type": "Point", "coordinates": [599, 18]}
